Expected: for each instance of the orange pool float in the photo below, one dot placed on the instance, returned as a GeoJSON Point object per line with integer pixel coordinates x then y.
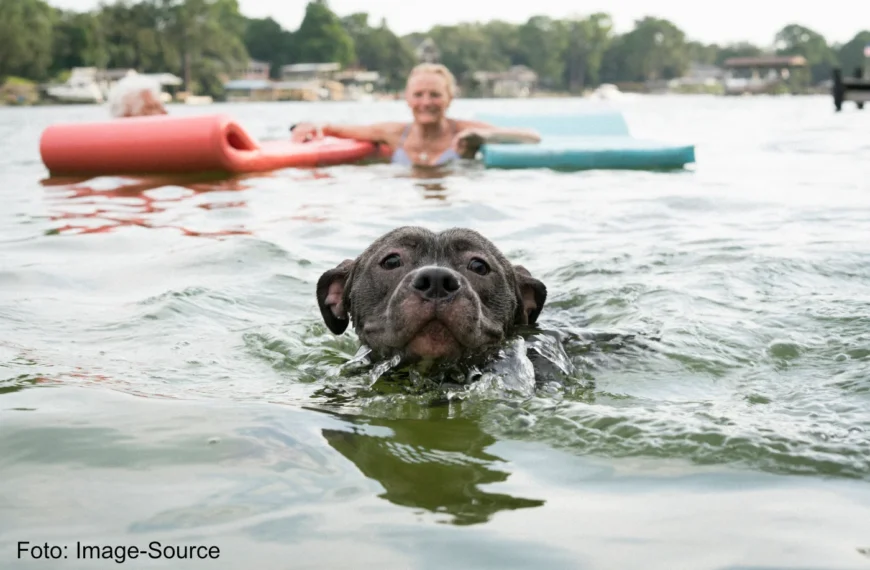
{"type": "Point", "coordinates": [164, 144]}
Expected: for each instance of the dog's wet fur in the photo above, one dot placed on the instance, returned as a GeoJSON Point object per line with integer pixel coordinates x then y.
{"type": "Point", "coordinates": [428, 296]}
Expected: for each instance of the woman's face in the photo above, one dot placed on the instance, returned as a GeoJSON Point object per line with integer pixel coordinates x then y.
{"type": "Point", "coordinates": [427, 97]}
{"type": "Point", "coordinates": [150, 105]}
{"type": "Point", "coordinates": [153, 105]}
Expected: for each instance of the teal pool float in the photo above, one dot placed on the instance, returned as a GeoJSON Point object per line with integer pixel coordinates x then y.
{"type": "Point", "coordinates": [582, 142]}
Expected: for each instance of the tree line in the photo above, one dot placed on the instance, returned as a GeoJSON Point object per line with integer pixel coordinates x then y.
{"type": "Point", "coordinates": [204, 41]}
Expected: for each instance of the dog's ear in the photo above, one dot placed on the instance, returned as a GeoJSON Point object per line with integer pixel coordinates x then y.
{"type": "Point", "coordinates": [531, 296]}
{"type": "Point", "coordinates": [330, 296]}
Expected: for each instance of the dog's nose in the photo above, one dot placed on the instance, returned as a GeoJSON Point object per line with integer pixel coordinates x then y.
{"type": "Point", "coordinates": [436, 282]}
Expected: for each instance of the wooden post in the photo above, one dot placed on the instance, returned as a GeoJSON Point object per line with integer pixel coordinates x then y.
{"type": "Point", "coordinates": [837, 90]}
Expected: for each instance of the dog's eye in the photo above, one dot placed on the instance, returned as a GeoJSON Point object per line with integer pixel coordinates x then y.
{"type": "Point", "coordinates": [392, 261]}
{"type": "Point", "coordinates": [479, 266]}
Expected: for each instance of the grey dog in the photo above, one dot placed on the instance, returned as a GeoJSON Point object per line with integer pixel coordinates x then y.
{"type": "Point", "coordinates": [429, 297]}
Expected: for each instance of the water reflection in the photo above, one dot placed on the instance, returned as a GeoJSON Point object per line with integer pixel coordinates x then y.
{"type": "Point", "coordinates": [24, 367]}
{"type": "Point", "coordinates": [433, 191]}
{"type": "Point", "coordinates": [439, 464]}
{"type": "Point", "coordinates": [95, 205]}
{"type": "Point", "coordinates": [105, 204]}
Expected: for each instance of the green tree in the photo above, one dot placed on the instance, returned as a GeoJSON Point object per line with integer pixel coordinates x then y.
{"type": "Point", "coordinates": [266, 40]}
{"type": "Point", "coordinates": [25, 38]}
{"type": "Point", "coordinates": [798, 40]}
{"type": "Point", "coordinates": [544, 43]}
{"type": "Point", "coordinates": [78, 41]}
{"type": "Point", "coordinates": [130, 37]}
{"type": "Point", "coordinates": [742, 49]}
{"type": "Point", "coordinates": [400, 61]}
{"type": "Point", "coordinates": [588, 40]}
{"type": "Point", "coordinates": [379, 49]}
{"type": "Point", "coordinates": [654, 49]}
{"type": "Point", "coordinates": [465, 50]}
{"type": "Point", "coordinates": [612, 63]}
{"type": "Point", "coordinates": [207, 36]}
{"type": "Point", "coordinates": [504, 39]}
{"type": "Point", "coordinates": [851, 54]}
{"type": "Point", "coordinates": [356, 25]}
{"type": "Point", "coordinates": [321, 37]}
{"type": "Point", "coordinates": [699, 52]}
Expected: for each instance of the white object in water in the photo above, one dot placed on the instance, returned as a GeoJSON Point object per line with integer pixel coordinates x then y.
{"type": "Point", "coordinates": [79, 88]}
{"type": "Point", "coordinates": [607, 91]}
{"type": "Point", "coordinates": [198, 100]}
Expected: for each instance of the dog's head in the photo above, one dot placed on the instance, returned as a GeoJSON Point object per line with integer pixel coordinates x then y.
{"type": "Point", "coordinates": [429, 296]}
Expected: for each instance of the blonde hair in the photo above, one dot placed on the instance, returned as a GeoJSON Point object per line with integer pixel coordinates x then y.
{"type": "Point", "coordinates": [437, 69]}
{"type": "Point", "coordinates": [125, 99]}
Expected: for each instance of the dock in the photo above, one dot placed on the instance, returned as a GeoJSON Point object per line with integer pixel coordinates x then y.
{"type": "Point", "coordinates": [855, 89]}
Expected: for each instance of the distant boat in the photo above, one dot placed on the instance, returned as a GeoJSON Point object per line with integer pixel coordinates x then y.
{"type": "Point", "coordinates": [198, 100]}
{"type": "Point", "coordinates": [79, 88]}
{"type": "Point", "coordinates": [354, 93]}
{"type": "Point", "coordinates": [607, 91]}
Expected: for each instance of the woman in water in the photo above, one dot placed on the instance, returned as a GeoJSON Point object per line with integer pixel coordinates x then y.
{"type": "Point", "coordinates": [136, 96]}
{"type": "Point", "coordinates": [432, 139]}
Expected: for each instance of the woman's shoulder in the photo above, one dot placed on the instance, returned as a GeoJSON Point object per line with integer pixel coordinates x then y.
{"type": "Point", "coordinates": [393, 127]}
{"type": "Point", "coordinates": [389, 131]}
{"type": "Point", "coordinates": [462, 124]}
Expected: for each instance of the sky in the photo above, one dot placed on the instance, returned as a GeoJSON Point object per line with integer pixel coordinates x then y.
{"type": "Point", "coordinates": [756, 21]}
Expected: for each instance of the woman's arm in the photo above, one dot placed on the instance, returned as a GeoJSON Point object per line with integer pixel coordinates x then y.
{"type": "Point", "coordinates": [379, 132]}
{"type": "Point", "coordinates": [499, 135]}
{"type": "Point", "coordinates": [495, 135]}
{"type": "Point", "coordinates": [474, 134]}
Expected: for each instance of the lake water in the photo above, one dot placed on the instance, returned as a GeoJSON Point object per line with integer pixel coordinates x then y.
{"type": "Point", "coordinates": [165, 376]}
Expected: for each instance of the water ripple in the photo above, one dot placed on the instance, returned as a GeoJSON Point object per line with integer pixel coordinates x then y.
{"type": "Point", "coordinates": [717, 315]}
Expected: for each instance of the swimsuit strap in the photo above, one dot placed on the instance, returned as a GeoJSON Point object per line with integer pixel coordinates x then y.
{"type": "Point", "coordinates": [448, 153]}
{"type": "Point", "coordinates": [405, 132]}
